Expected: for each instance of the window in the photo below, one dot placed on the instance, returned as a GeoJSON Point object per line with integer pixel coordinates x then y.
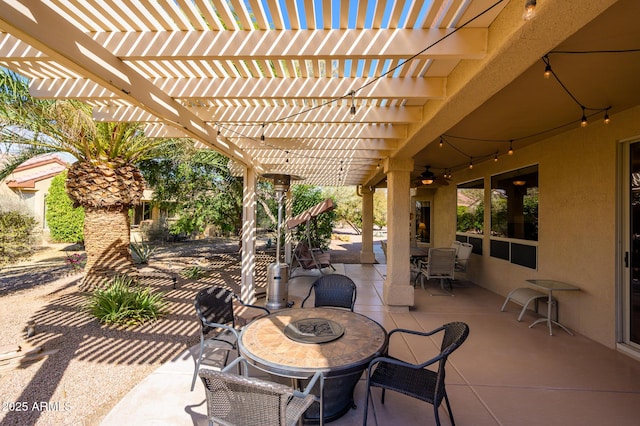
{"type": "Point", "coordinates": [514, 204]}
{"type": "Point", "coordinates": [470, 207]}
{"type": "Point", "coordinates": [423, 221]}
{"type": "Point", "coordinates": [141, 212]}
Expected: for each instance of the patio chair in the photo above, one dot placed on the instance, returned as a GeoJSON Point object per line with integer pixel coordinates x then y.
{"type": "Point", "coordinates": [218, 329]}
{"type": "Point", "coordinates": [333, 290]}
{"type": "Point", "coordinates": [456, 245]}
{"type": "Point", "coordinates": [441, 265]}
{"type": "Point", "coordinates": [464, 252]}
{"type": "Point", "coordinates": [416, 380]}
{"type": "Point", "coordinates": [236, 400]}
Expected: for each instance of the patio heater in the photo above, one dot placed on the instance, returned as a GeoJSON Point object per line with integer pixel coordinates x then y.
{"type": "Point", "coordinates": [278, 273]}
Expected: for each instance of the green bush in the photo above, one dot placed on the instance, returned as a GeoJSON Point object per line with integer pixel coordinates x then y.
{"type": "Point", "coordinates": [123, 302]}
{"type": "Point", "coordinates": [17, 240]}
{"type": "Point", "coordinates": [65, 222]}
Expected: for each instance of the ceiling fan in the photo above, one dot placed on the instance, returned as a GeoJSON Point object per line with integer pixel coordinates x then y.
{"type": "Point", "coordinates": [428, 178]}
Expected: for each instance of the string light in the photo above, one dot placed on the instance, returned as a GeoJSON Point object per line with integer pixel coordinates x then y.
{"type": "Point", "coordinates": [262, 135]}
{"type": "Point", "coordinates": [583, 120]}
{"type": "Point", "coordinates": [441, 142]}
{"type": "Point", "coordinates": [495, 158]}
{"type": "Point", "coordinates": [352, 110]}
{"type": "Point", "coordinates": [607, 120]}
{"type": "Point", "coordinates": [470, 163]}
{"type": "Point", "coordinates": [510, 152]}
{"type": "Point", "coordinates": [547, 71]}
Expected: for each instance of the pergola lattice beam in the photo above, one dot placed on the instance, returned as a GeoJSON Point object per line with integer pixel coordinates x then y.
{"type": "Point", "coordinates": [258, 114]}
{"type": "Point", "coordinates": [257, 88]}
{"type": "Point", "coordinates": [467, 43]}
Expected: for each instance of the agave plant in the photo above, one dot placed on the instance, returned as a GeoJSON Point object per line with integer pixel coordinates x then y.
{"type": "Point", "coordinates": [142, 252]}
{"type": "Point", "coordinates": [104, 180]}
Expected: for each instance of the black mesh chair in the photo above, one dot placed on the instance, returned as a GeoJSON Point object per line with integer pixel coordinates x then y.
{"type": "Point", "coordinates": [333, 290]}
{"type": "Point", "coordinates": [218, 329]}
{"type": "Point", "coordinates": [416, 380]}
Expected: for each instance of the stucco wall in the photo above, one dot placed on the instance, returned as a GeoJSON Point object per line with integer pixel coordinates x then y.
{"type": "Point", "coordinates": [577, 221]}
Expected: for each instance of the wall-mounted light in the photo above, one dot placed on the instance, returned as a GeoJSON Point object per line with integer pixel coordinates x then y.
{"type": "Point", "coordinates": [529, 10]}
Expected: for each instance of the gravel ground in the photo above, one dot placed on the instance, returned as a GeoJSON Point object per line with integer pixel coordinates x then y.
{"type": "Point", "coordinates": [94, 366]}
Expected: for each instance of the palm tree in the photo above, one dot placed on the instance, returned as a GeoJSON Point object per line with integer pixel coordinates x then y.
{"type": "Point", "coordinates": [105, 180]}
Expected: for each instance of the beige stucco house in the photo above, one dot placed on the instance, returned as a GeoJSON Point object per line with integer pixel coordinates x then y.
{"type": "Point", "coordinates": [31, 181]}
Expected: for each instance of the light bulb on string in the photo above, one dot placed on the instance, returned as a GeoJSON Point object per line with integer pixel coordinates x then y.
{"type": "Point", "coordinates": [607, 120]}
{"type": "Point", "coordinates": [495, 158]}
{"type": "Point", "coordinates": [583, 120]}
{"type": "Point", "coordinates": [262, 135]}
{"type": "Point", "coordinates": [470, 163]}
{"type": "Point", "coordinates": [352, 110]}
{"type": "Point", "coordinates": [441, 142]}
{"type": "Point", "coordinates": [510, 152]}
{"type": "Point", "coordinates": [547, 71]}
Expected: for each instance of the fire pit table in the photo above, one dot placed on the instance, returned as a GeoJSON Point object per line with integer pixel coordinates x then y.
{"type": "Point", "coordinates": [297, 343]}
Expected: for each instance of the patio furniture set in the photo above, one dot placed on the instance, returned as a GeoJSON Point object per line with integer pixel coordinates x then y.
{"type": "Point", "coordinates": [323, 350]}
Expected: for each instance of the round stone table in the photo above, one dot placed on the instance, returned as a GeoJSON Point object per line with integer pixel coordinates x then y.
{"type": "Point", "coordinates": [357, 340]}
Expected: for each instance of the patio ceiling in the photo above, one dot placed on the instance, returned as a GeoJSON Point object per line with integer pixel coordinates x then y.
{"type": "Point", "coordinates": [227, 73]}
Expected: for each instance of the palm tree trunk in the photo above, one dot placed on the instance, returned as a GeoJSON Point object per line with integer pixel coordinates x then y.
{"type": "Point", "coordinates": [106, 239]}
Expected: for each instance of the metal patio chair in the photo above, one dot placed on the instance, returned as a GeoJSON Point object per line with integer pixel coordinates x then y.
{"type": "Point", "coordinates": [441, 265]}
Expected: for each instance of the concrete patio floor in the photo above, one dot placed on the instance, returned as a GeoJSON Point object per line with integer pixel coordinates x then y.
{"type": "Point", "coordinates": [504, 374]}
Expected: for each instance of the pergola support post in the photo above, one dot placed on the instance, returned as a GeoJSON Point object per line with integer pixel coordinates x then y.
{"type": "Point", "coordinates": [397, 290]}
{"type": "Point", "coordinates": [247, 280]}
{"type": "Point", "coordinates": [366, 251]}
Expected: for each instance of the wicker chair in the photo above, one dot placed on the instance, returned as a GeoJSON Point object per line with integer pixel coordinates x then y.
{"type": "Point", "coordinates": [218, 330]}
{"type": "Point", "coordinates": [244, 401]}
{"type": "Point", "coordinates": [416, 380]}
{"type": "Point", "coordinates": [333, 290]}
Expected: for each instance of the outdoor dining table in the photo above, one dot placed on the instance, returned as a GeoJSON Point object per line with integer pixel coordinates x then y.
{"type": "Point", "coordinates": [296, 343]}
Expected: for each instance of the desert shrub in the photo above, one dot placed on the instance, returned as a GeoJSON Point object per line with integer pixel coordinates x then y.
{"type": "Point", "coordinates": [65, 222]}
{"type": "Point", "coordinates": [124, 302]}
{"type": "Point", "coordinates": [193, 272]}
{"type": "Point", "coordinates": [142, 252]}
{"type": "Point", "coordinates": [17, 239]}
